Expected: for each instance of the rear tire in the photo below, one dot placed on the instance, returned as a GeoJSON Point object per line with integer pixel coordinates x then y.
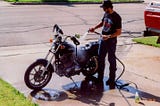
{"type": "Point", "coordinates": [33, 76]}
{"type": "Point", "coordinates": [91, 66]}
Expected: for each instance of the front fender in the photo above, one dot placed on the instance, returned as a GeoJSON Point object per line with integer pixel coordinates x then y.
{"type": "Point", "coordinates": [44, 61]}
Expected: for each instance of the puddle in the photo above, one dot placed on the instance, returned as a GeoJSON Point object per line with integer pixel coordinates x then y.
{"type": "Point", "coordinates": [49, 95]}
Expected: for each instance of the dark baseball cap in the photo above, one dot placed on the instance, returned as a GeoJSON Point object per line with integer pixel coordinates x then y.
{"type": "Point", "coordinates": [106, 3]}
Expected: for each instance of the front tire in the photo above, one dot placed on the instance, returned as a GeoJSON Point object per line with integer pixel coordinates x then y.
{"type": "Point", "coordinates": [37, 76]}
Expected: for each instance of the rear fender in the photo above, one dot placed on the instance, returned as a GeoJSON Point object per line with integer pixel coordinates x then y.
{"type": "Point", "coordinates": [44, 61]}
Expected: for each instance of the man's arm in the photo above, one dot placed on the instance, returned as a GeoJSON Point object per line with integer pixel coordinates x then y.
{"type": "Point", "coordinates": [117, 33]}
{"type": "Point", "coordinates": [96, 27]}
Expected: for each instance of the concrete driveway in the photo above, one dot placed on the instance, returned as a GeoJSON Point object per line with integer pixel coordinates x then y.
{"type": "Point", "coordinates": [142, 62]}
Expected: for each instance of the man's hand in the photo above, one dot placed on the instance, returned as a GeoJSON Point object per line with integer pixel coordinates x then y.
{"type": "Point", "coordinates": [91, 29]}
{"type": "Point", "coordinates": [96, 27]}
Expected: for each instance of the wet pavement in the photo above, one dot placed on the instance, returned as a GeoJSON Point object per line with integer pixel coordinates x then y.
{"type": "Point", "coordinates": [142, 65]}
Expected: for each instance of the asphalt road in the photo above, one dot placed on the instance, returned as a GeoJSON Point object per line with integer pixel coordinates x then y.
{"type": "Point", "coordinates": [25, 29]}
{"type": "Point", "coordinates": [32, 24]}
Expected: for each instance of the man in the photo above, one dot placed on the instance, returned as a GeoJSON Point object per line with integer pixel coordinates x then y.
{"type": "Point", "coordinates": [111, 23]}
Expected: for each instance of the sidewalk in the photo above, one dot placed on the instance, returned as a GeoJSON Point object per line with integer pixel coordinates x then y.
{"type": "Point", "coordinates": [4, 3]}
{"type": "Point", "coordinates": [147, 1]}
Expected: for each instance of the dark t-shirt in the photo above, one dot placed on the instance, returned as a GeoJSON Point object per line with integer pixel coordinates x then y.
{"type": "Point", "coordinates": [111, 22]}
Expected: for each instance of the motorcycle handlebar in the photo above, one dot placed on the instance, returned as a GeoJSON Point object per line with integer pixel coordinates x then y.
{"type": "Point", "coordinates": [97, 33]}
{"type": "Point", "coordinates": [75, 41]}
{"type": "Point", "coordinates": [57, 29]}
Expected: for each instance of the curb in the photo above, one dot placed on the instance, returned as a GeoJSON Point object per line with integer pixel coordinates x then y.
{"type": "Point", "coordinates": [53, 3]}
{"type": "Point", "coordinates": [66, 3]}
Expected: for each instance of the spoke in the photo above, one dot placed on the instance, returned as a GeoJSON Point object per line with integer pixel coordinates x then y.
{"type": "Point", "coordinates": [35, 70]}
{"type": "Point", "coordinates": [45, 77]}
{"type": "Point", "coordinates": [34, 82]}
{"type": "Point", "coordinates": [31, 79]}
{"type": "Point", "coordinates": [40, 67]}
{"type": "Point", "coordinates": [41, 82]}
{"type": "Point", "coordinates": [38, 83]}
{"type": "Point", "coordinates": [32, 74]}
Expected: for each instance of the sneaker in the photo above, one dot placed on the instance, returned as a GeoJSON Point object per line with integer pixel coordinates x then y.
{"type": "Point", "coordinates": [111, 84]}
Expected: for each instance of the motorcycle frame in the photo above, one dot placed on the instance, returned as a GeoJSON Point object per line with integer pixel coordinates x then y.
{"type": "Point", "coordinates": [53, 52]}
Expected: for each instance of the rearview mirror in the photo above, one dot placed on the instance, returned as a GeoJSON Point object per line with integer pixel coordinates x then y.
{"type": "Point", "coordinates": [57, 29]}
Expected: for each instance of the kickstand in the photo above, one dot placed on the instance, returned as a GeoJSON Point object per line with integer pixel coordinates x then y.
{"type": "Point", "coordinates": [76, 86]}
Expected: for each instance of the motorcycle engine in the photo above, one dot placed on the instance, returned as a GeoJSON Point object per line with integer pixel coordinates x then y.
{"type": "Point", "coordinates": [67, 59]}
{"type": "Point", "coordinates": [65, 62]}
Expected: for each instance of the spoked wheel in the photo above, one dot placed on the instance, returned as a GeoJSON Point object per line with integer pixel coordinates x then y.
{"type": "Point", "coordinates": [91, 66]}
{"type": "Point", "coordinates": [37, 76]}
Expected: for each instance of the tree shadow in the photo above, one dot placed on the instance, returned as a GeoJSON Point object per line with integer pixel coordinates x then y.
{"type": "Point", "coordinates": [47, 2]}
{"type": "Point", "coordinates": [58, 2]}
{"type": "Point", "coordinates": [55, 1]}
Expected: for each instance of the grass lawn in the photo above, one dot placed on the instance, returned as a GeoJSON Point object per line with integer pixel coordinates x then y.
{"type": "Point", "coordinates": [9, 96]}
{"type": "Point", "coordinates": [70, 1]}
{"type": "Point", "coordinates": [152, 41]}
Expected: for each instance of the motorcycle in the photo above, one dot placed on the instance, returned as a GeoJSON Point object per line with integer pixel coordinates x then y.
{"type": "Point", "coordinates": [66, 57]}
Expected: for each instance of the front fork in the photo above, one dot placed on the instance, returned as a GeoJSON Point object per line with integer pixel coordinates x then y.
{"type": "Point", "coordinates": [50, 55]}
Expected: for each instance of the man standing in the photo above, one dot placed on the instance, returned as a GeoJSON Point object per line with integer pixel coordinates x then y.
{"type": "Point", "coordinates": [112, 24]}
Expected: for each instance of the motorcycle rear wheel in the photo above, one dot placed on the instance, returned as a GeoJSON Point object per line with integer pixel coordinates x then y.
{"type": "Point", "coordinates": [37, 76]}
{"type": "Point", "coordinates": [91, 66]}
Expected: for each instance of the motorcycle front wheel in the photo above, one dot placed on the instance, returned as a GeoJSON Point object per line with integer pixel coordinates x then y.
{"type": "Point", "coordinates": [37, 75]}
